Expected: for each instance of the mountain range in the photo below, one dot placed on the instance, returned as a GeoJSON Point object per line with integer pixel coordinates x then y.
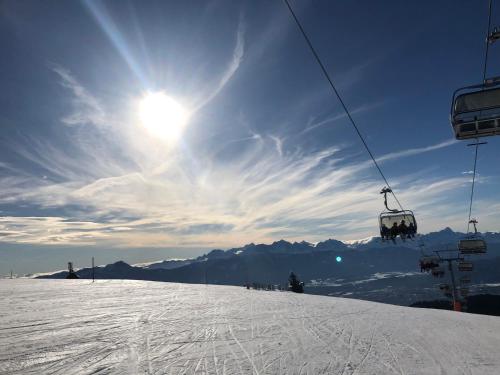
{"type": "Point", "coordinates": [367, 269]}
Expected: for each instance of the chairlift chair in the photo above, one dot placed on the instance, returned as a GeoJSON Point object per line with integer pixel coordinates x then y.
{"type": "Point", "coordinates": [464, 266]}
{"type": "Point", "coordinates": [473, 243]}
{"type": "Point", "coordinates": [444, 287]}
{"type": "Point", "coordinates": [390, 216]}
{"type": "Point", "coordinates": [429, 262]}
{"type": "Point", "coordinates": [475, 110]}
{"type": "Point", "coordinates": [437, 271]}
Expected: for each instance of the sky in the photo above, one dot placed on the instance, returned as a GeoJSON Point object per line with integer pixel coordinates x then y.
{"type": "Point", "coordinates": [266, 151]}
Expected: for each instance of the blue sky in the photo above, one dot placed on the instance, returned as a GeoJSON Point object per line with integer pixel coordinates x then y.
{"type": "Point", "coordinates": [267, 152]}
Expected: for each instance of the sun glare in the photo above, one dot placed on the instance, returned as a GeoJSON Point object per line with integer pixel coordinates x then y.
{"type": "Point", "coordinates": [162, 116]}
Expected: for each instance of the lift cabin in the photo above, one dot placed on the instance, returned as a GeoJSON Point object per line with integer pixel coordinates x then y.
{"type": "Point", "coordinates": [475, 110]}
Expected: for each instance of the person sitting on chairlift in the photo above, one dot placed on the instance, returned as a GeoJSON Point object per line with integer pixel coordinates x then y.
{"type": "Point", "coordinates": [411, 230]}
{"type": "Point", "coordinates": [403, 229]}
{"type": "Point", "coordinates": [385, 232]}
{"type": "Point", "coordinates": [394, 231]}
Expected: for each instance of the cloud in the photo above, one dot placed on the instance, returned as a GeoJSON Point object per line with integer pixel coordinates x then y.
{"type": "Point", "coordinates": [145, 195]}
{"type": "Point", "coordinates": [255, 197]}
{"type": "Point", "coordinates": [232, 67]}
{"type": "Point", "coordinates": [363, 108]}
{"type": "Point", "coordinates": [279, 144]}
{"type": "Point", "coordinates": [86, 108]}
{"type": "Point", "coordinates": [416, 151]}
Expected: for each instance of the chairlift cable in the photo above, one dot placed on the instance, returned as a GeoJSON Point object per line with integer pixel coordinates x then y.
{"type": "Point", "coordinates": [487, 43]}
{"type": "Point", "coordinates": [327, 76]}
{"type": "Point", "coordinates": [472, 187]}
{"type": "Point", "coordinates": [485, 65]}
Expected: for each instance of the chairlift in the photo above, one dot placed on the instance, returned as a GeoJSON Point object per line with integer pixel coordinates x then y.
{"type": "Point", "coordinates": [464, 266]}
{"type": "Point", "coordinates": [473, 243]}
{"type": "Point", "coordinates": [395, 222]}
{"type": "Point", "coordinates": [472, 246]}
{"type": "Point", "coordinates": [437, 271]}
{"type": "Point", "coordinates": [429, 262]}
{"type": "Point", "coordinates": [475, 110]}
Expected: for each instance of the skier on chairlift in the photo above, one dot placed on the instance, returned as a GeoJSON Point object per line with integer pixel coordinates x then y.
{"type": "Point", "coordinates": [403, 229]}
{"type": "Point", "coordinates": [394, 231]}
{"type": "Point", "coordinates": [385, 232]}
{"type": "Point", "coordinates": [411, 230]}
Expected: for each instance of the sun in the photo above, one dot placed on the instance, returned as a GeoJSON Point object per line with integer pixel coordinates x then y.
{"type": "Point", "coordinates": [162, 116]}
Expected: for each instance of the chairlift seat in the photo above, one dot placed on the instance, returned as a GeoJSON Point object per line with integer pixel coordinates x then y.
{"type": "Point", "coordinates": [388, 218]}
{"type": "Point", "coordinates": [465, 266]}
{"type": "Point", "coordinates": [438, 271]}
{"type": "Point", "coordinates": [472, 246]}
{"type": "Point", "coordinates": [444, 287]}
{"type": "Point", "coordinates": [429, 262]}
{"type": "Point", "coordinates": [476, 112]}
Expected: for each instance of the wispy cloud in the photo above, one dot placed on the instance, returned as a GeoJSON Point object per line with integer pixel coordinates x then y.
{"type": "Point", "coordinates": [256, 197]}
{"type": "Point", "coordinates": [158, 197]}
{"type": "Point", "coordinates": [232, 67]}
{"type": "Point", "coordinates": [86, 108]}
{"type": "Point", "coordinates": [416, 151]}
{"type": "Point", "coordinates": [332, 119]}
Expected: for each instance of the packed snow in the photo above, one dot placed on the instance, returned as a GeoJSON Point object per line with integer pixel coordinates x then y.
{"type": "Point", "coordinates": [141, 327]}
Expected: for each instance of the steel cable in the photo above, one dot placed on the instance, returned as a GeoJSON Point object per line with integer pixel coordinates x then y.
{"type": "Point", "coordinates": [325, 72]}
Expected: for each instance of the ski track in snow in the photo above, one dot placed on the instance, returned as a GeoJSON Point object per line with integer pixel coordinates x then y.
{"type": "Point", "coordinates": [141, 327]}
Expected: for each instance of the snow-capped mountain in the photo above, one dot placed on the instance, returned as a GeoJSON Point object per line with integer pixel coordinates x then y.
{"type": "Point", "coordinates": [370, 269]}
{"type": "Point", "coordinates": [432, 241]}
{"type": "Point", "coordinates": [166, 264]}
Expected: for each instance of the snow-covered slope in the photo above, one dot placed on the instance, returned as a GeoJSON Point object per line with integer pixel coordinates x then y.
{"type": "Point", "coordinates": [136, 327]}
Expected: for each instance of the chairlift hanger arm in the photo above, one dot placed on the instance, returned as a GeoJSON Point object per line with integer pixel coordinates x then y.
{"type": "Point", "coordinates": [384, 191]}
{"type": "Point", "coordinates": [493, 36]}
{"type": "Point", "coordinates": [474, 222]}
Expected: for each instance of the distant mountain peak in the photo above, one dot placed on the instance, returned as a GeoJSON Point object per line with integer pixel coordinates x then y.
{"type": "Point", "coordinates": [281, 242]}
{"type": "Point", "coordinates": [120, 264]}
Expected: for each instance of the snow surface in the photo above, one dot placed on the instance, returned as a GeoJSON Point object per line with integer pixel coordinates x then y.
{"type": "Point", "coordinates": [141, 327]}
